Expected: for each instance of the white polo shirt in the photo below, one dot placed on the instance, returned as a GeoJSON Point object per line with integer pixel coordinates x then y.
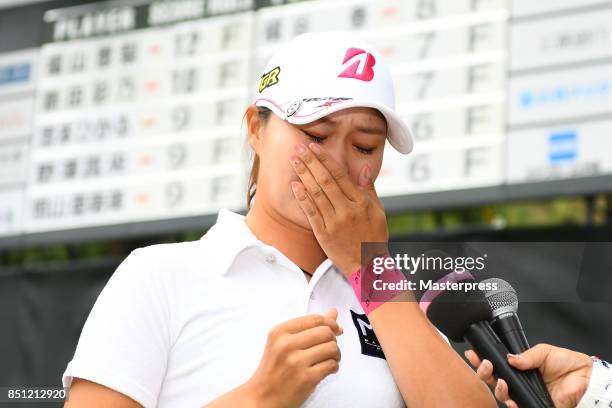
{"type": "Point", "coordinates": [178, 325]}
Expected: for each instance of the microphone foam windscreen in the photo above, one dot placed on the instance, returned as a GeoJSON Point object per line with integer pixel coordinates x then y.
{"type": "Point", "coordinates": [453, 311]}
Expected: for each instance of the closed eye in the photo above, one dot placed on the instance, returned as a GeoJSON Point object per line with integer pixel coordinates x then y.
{"type": "Point", "coordinates": [364, 150]}
{"type": "Point", "coordinates": [319, 139]}
{"type": "Point", "coordinates": [316, 139]}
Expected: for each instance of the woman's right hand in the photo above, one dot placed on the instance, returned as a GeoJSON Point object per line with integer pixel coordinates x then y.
{"type": "Point", "coordinates": [299, 353]}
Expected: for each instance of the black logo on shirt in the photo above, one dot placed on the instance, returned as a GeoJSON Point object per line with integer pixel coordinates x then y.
{"type": "Point", "coordinates": [369, 343]}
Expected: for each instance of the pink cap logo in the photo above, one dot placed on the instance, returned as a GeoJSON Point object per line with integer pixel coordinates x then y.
{"type": "Point", "coordinates": [360, 65]}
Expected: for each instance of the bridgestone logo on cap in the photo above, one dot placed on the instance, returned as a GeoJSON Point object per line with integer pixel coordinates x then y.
{"type": "Point", "coordinates": [269, 78]}
{"type": "Point", "coordinates": [359, 63]}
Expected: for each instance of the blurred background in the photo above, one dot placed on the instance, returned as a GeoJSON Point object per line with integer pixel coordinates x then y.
{"type": "Point", "coordinates": [121, 125]}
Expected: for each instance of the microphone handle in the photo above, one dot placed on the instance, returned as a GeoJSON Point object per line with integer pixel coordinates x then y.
{"type": "Point", "coordinates": [508, 328]}
{"type": "Point", "coordinates": [488, 346]}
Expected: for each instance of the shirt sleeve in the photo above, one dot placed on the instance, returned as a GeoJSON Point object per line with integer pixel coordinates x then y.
{"type": "Point", "coordinates": [125, 341]}
{"type": "Point", "coordinates": [599, 390]}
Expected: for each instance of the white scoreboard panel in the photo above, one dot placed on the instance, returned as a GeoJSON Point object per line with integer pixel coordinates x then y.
{"type": "Point", "coordinates": [17, 82]}
{"type": "Point", "coordinates": [131, 111]}
{"type": "Point", "coordinates": [560, 96]}
{"type": "Point", "coordinates": [139, 125]}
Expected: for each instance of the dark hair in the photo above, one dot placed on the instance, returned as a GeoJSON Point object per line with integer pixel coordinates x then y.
{"type": "Point", "coordinates": [264, 115]}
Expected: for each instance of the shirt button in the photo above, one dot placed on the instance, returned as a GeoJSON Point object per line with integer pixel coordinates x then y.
{"type": "Point", "coordinates": [270, 258]}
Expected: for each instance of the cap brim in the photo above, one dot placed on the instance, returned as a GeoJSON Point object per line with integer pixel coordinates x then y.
{"type": "Point", "coordinates": [398, 132]}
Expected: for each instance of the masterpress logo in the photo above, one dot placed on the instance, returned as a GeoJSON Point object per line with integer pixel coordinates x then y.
{"type": "Point", "coordinates": [422, 262]}
{"type": "Point", "coordinates": [554, 271]}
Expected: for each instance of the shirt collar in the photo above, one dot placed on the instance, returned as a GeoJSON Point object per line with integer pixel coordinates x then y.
{"type": "Point", "coordinates": [229, 236]}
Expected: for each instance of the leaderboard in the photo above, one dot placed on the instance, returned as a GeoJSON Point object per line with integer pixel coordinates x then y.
{"type": "Point", "coordinates": [560, 96]}
{"type": "Point", "coordinates": [134, 111]}
{"type": "Point", "coordinates": [17, 86]}
{"type": "Point", "coordinates": [138, 114]}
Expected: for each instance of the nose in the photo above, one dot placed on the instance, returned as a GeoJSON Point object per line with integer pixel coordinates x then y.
{"type": "Point", "coordinates": [340, 153]}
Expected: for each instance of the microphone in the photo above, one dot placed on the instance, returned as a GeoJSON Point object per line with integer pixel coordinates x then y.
{"type": "Point", "coordinates": [464, 316]}
{"type": "Point", "coordinates": [503, 302]}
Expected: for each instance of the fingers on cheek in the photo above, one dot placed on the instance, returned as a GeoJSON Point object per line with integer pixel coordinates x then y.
{"type": "Point", "coordinates": [296, 165]}
{"type": "Point", "coordinates": [298, 190]}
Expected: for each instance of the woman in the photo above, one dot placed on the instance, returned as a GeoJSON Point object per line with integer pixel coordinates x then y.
{"type": "Point", "coordinates": [259, 312]}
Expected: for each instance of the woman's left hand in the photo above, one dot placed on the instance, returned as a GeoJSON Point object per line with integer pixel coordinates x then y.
{"type": "Point", "coordinates": [342, 215]}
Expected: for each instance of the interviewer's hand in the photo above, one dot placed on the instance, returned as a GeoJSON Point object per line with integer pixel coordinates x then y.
{"type": "Point", "coordinates": [298, 355]}
{"type": "Point", "coordinates": [565, 372]}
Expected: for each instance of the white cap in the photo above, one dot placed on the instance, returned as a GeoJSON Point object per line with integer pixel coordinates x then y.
{"type": "Point", "coordinates": [319, 73]}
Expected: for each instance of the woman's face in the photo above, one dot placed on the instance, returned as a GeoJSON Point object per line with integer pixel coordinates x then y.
{"type": "Point", "coordinates": [353, 137]}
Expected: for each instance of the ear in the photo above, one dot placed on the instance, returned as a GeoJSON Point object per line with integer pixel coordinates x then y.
{"type": "Point", "coordinates": [254, 128]}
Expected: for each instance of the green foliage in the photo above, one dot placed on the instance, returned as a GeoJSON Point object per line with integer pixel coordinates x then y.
{"type": "Point", "coordinates": [543, 214]}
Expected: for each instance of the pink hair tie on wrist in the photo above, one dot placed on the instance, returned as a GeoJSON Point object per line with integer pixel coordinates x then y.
{"type": "Point", "coordinates": [363, 281]}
